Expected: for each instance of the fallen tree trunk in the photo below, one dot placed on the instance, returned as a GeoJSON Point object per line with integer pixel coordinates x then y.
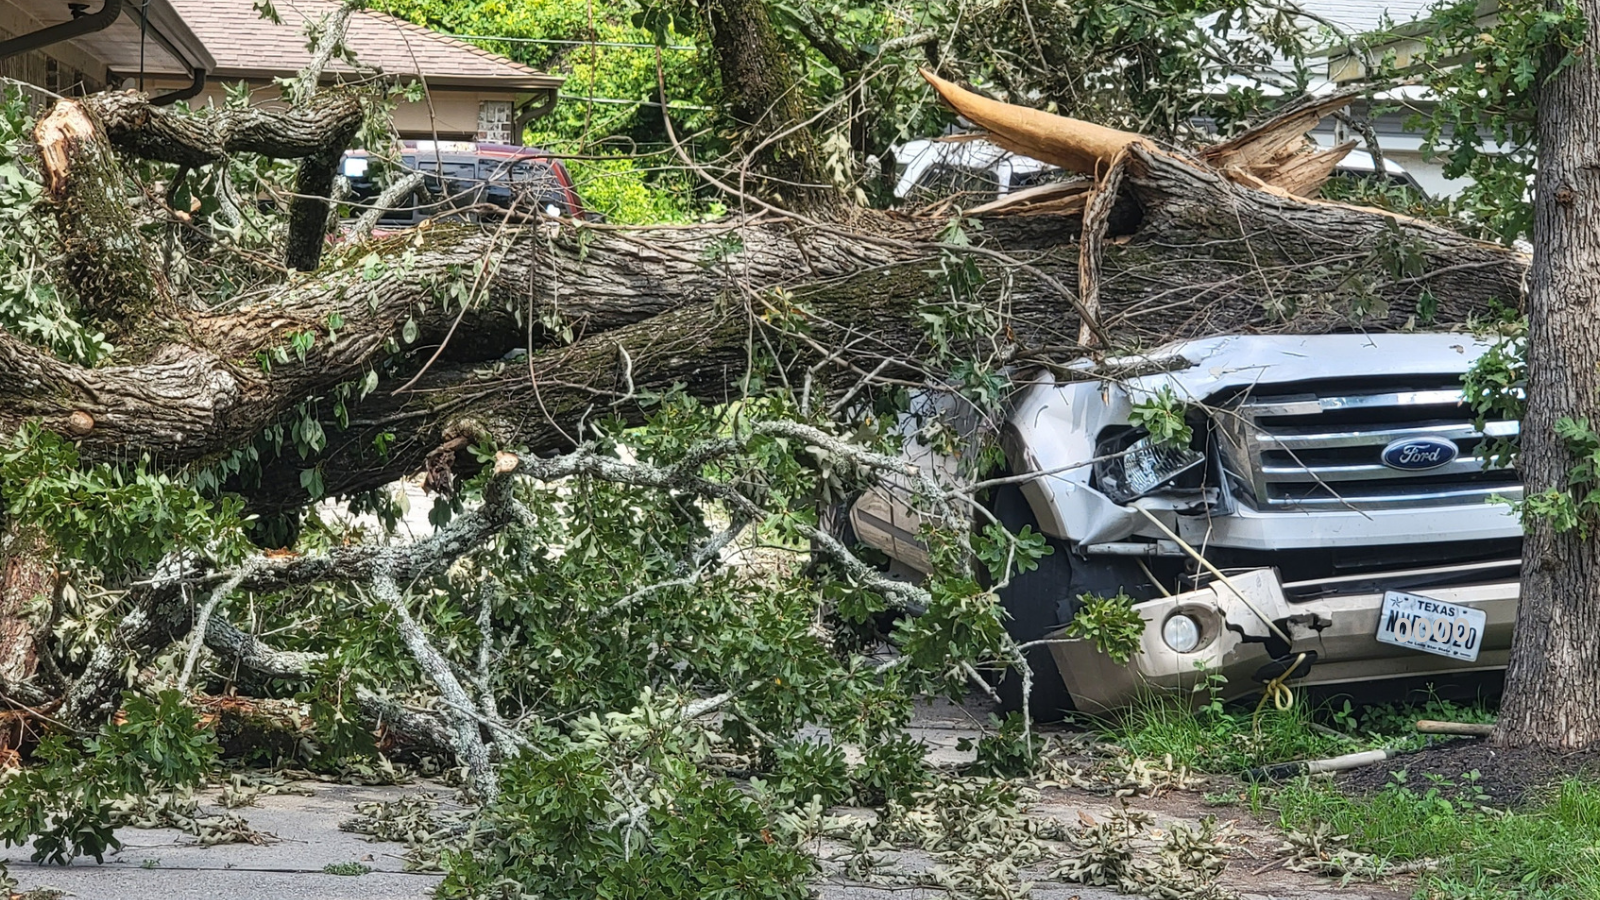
{"type": "Point", "coordinates": [27, 586]}
{"type": "Point", "coordinates": [1187, 253]}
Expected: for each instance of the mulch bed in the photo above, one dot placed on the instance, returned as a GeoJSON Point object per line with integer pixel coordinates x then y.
{"type": "Point", "coordinates": [1509, 777]}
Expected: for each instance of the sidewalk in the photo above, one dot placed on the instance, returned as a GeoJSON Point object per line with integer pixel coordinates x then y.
{"type": "Point", "coordinates": [168, 864]}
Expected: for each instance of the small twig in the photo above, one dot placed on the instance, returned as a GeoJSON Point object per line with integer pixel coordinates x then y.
{"type": "Point", "coordinates": [627, 374]}
{"type": "Point", "coordinates": [1269, 867]}
{"type": "Point", "coordinates": [979, 681]}
{"type": "Point", "coordinates": [849, 395]}
{"type": "Point", "coordinates": [707, 705]}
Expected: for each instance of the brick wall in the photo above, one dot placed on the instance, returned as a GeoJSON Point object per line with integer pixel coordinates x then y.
{"type": "Point", "coordinates": [40, 68]}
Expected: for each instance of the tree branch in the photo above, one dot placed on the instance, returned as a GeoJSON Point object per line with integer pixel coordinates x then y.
{"type": "Point", "coordinates": [469, 745]}
{"type": "Point", "coordinates": [106, 261]}
{"type": "Point", "coordinates": [164, 134]}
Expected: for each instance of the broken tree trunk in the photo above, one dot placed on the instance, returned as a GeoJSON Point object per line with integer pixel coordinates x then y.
{"type": "Point", "coordinates": [103, 255]}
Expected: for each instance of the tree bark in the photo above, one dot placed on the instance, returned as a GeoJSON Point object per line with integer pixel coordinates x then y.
{"type": "Point", "coordinates": [1190, 256]}
{"type": "Point", "coordinates": [27, 588]}
{"type": "Point", "coordinates": [1187, 254]}
{"type": "Point", "coordinates": [1552, 696]}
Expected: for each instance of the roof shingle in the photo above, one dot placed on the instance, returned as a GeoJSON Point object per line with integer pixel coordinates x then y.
{"type": "Point", "coordinates": [246, 45]}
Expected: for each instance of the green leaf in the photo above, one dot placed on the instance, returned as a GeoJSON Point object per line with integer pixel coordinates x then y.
{"type": "Point", "coordinates": [311, 480]}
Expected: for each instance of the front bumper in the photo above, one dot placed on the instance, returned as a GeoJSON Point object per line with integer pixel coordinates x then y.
{"type": "Point", "coordinates": [1238, 645]}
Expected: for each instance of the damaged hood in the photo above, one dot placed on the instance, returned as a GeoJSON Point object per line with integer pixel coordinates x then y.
{"type": "Point", "coordinates": [1056, 423]}
{"type": "Point", "coordinates": [1205, 367]}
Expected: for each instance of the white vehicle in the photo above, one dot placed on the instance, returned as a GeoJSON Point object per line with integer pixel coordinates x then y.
{"type": "Point", "coordinates": [1358, 164]}
{"type": "Point", "coordinates": [1332, 513]}
{"type": "Point", "coordinates": [972, 170]}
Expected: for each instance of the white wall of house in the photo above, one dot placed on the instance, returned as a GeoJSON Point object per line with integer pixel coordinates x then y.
{"type": "Point", "coordinates": [1331, 22]}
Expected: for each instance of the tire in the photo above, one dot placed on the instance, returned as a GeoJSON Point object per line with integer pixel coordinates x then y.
{"type": "Point", "coordinates": [834, 521]}
{"type": "Point", "coordinates": [1039, 602]}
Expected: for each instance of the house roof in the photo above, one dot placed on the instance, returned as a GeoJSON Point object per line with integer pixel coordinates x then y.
{"type": "Point", "coordinates": [162, 46]}
{"type": "Point", "coordinates": [248, 46]}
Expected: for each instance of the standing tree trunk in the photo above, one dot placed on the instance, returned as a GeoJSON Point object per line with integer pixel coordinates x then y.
{"type": "Point", "coordinates": [1552, 696]}
{"type": "Point", "coordinates": [765, 98]}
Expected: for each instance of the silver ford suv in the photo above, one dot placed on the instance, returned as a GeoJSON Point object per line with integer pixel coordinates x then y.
{"type": "Point", "coordinates": [1332, 518]}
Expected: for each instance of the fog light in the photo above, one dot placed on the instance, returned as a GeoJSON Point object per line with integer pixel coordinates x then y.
{"type": "Point", "coordinates": [1181, 633]}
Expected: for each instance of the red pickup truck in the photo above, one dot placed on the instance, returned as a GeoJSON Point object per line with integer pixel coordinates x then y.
{"type": "Point", "coordinates": [470, 180]}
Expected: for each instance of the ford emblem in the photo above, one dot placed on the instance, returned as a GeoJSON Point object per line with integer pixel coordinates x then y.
{"type": "Point", "coordinates": [1419, 453]}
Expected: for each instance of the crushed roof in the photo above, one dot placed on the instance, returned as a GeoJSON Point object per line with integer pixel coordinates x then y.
{"type": "Point", "coordinates": [246, 45]}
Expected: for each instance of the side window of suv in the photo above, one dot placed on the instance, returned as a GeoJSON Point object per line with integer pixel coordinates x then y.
{"type": "Point", "coordinates": [971, 186]}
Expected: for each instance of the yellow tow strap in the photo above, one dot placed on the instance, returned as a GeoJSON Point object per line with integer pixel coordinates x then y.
{"type": "Point", "coordinates": [1277, 690]}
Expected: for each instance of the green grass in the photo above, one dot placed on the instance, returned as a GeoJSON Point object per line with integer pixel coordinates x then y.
{"type": "Point", "coordinates": [1393, 726]}
{"type": "Point", "coordinates": [1217, 739]}
{"type": "Point", "coordinates": [1549, 850]}
{"type": "Point", "coordinates": [1233, 738]}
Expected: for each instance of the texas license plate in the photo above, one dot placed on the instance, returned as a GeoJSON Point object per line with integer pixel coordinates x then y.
{"type": "Point", "coordinates": [1432, 626]}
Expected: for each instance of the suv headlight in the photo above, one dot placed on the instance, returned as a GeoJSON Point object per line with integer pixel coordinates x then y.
{"type": "Point", "coordinates": [1135, 469]}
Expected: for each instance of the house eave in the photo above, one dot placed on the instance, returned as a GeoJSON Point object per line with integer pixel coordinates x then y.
{"type": "Point", "coordinates": [509, 83]}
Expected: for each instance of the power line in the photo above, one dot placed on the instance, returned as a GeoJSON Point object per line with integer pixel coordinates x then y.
{"type": "Point", "coordinates": [523, 40]}
{"type": "Point", "coordinates": [621, 101]}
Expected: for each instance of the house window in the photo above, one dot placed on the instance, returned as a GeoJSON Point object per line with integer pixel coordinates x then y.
{"type": "Point", "coordinates": [66, 80]}
{"type": "Point", "coordinates": [494, 121]}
